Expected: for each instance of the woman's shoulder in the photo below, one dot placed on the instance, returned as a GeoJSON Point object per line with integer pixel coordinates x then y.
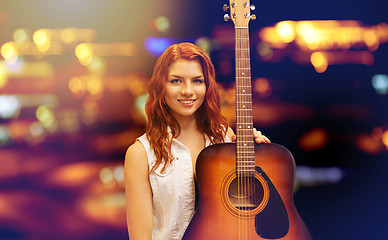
{"type": "Point", "coordinates": [136, 154]}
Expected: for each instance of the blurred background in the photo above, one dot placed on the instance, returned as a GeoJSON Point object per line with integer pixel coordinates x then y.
{"type": "Point", "coordinates": [73, 79]}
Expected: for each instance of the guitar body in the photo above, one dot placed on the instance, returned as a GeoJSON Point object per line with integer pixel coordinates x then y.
{"type": "Point", "coordinates": [220, 216]}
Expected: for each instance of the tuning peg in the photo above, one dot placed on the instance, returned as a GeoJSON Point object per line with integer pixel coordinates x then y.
{"type": "Point", "coordinates": [252, 7]}
{"type": "Point", "coordinates": [226, 17]}
{"type": "Point", "coordinates": [225, 7]}
{"type": "Point", "coordinates": [253, 16]}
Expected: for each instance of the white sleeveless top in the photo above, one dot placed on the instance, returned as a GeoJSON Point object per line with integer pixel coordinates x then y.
{"type": "Point", "coordinates": [173, 191]}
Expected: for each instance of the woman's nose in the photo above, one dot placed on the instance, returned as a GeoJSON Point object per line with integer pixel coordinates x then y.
{"type": "Point", "coordinates": [187, 89]}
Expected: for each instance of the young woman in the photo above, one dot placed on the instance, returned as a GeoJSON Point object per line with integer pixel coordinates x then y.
{"type": "Point", "coordinates": [183, 111]}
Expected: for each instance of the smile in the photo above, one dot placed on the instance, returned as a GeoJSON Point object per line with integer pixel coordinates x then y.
{"type": "Point", "coordinates": [187, 101]}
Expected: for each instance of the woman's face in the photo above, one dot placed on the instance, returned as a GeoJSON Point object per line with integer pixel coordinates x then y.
{"type": "Point", "coordinates": [185, 88]}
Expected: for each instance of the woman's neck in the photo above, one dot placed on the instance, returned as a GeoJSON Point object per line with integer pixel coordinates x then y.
{"type": "Point", "coordinates": [187, 124]}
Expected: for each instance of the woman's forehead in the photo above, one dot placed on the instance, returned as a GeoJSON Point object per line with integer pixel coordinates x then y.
{"type": "Point", "coordinates": [185, 67]}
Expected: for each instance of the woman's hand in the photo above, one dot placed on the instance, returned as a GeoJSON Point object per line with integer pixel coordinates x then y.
{"type": "Point", "coordinates": [259, 138]}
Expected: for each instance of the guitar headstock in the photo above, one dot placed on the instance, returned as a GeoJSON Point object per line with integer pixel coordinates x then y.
{"type": "Point", "coordinates": [240, 12]}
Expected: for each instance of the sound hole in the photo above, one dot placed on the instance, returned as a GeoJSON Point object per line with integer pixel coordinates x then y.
{"type": "Point", "coordinates": [245, 193]}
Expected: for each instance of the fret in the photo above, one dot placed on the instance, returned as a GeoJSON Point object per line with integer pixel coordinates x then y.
{"type": "Point", "coordinates": [252, 146]}
{"type": "Point", "coordinates": [245, 117]}
{"type": "Point", "coordinates": [248, 136]}
{"type": "Point", "coordinates": [243, 110]}
{"type": "Point", "coordinates": [241, 153]}
{"type": "Point", "coordinates": [241, 146]}
{"type": "Point", "coordinates": [246, 86]}
{"type": "Point", "coordinates": [246, 170]}
{"type": "Point", "coordinates": [247, 167]}
{"type": "Point", "coordinates": [250, 141]}
{"type": "Point", "coordinates": [247, 139]}
{"type": "Point", "coordinates": [246, 160]}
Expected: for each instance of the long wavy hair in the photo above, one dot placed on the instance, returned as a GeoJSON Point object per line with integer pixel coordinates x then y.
{"type": "Point", "coordinates": [208, 116]}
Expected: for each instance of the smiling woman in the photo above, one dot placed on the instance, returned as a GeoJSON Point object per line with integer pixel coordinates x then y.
{"type": "Point", "coordinates": [183, 111]}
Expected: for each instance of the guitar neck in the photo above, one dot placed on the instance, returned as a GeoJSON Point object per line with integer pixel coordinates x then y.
{"type": "Point", "coordinates": [244, 120]}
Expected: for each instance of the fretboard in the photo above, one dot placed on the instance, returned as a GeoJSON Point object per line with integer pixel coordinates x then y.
{"type": "Point", "coordinates": [245, 156]}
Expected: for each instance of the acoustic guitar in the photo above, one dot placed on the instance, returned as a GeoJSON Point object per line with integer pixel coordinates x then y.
{"type": "Point", "coordinates": [245, 189]}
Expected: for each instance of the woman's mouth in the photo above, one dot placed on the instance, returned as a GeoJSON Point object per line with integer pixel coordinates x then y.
{"type": "Point", "coordinates": [187, 101]}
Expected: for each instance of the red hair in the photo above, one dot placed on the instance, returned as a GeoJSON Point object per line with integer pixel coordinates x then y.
{"type": "Point", "coordinates": [208, 116]}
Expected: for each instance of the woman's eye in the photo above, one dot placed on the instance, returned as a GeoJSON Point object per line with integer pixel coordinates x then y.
{"type": "Point", "coordinates": [175, 81]}
{"type": "Point", "coordinates": [199, 81]}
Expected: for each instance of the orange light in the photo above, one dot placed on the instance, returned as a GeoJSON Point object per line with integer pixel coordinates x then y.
{"type": "Point", "coordinates": [286, 31]}
{"type": "Point", "coordinates": [77, 86]}
{"type": "Point", "coordinates": [84, 53]}
{"type": "Point", "coordinates": [368, 144]}
{"type": "Point", "coordinates": [42, 40]}
{"type": "Point", "coordinates": [308, 34]}
{"type": "Point", "coordinates": [385, 138]}
{"type": "Point", "coordinates": [75, 174]}
{"type": "Point", "coordinates": [95, 86]}
{"type": "Point", "coordinates": [263, 87]}
{"type": "Point", "coordinates": [270, 36]}
{"type": "Point", "coordinates": [319, 61]}
{"type": "Point", "coordinates": [371, 40]}
{"type": "Point", "coordinates": [314, 139]}
{"type": "Point", "coordinates": [325, 35]}
{"type": "Point", "coordinates": [68, 35]}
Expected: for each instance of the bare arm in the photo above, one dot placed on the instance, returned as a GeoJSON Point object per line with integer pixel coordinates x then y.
{"type": "Point", "coordinates": [138, 193]}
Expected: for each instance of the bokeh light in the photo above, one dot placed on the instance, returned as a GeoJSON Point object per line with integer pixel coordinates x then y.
{"type": "Point", "coordinates": [21, 35]}
{"type": "Point", "coordinates": [9, 106]}
{"type": "Point", "coordinates": [45, 116]}
{"type": "Point", "coordinates": [3, 75]}
{"type": "Point", "coordinates": [155, 45]}
{"type": "Point", "coordinates": [286, 31]}
{"type": "Point", "coordinates": [319, 61]}
{"type": "Point", "coordinates": [380, 83]}
{"type": "Point", "coordinates": [9, 52]}
{"type": "Point", "coordinates": [84, 53]}
{"type": "Point", "coordinates": [263, 87]}
{"type": "Point", "coordinates": [42, 39]}
{"type": "Point", "coordinates": [385, 138]}
{"type": "Point", "coordinates": [162, 24]}
{"type": "Point", "coordinates": [314, 139]}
